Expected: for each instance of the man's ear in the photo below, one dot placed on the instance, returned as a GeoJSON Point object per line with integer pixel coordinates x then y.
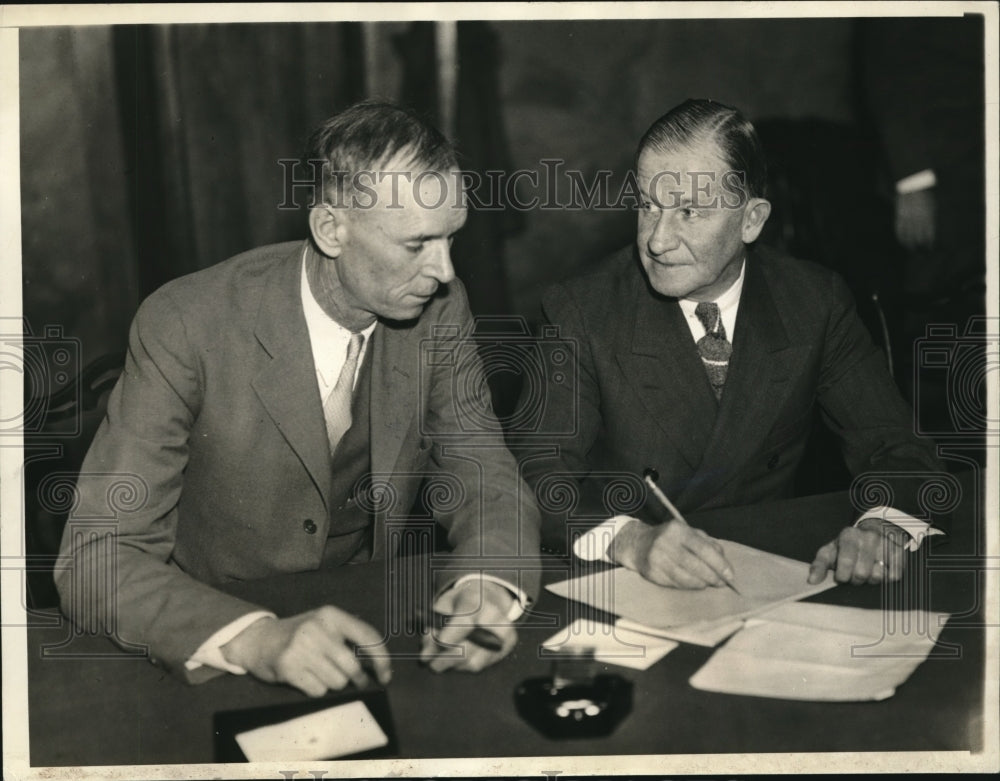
{"type": "Point", "coordinates": [328, 228]}
{"type": "Point", "coordinates": [754, 216]}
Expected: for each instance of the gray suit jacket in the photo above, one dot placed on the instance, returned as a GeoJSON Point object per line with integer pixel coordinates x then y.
{"type": "Point", "coordinates": [642, 397]}
{"type": "Point", "coordinates": [217, 427]}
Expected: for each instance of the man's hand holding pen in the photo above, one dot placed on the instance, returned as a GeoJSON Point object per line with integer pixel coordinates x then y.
{"type": "Point", "coordinates": [471, 629]}
{"type": "Point", "coordinates": [672, 554]}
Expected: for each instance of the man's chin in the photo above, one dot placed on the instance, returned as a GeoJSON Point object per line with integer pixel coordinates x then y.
{"type": "Point", "coordinates": [406, 313]}
{"type": "Point", "coordinates": [669, 281]}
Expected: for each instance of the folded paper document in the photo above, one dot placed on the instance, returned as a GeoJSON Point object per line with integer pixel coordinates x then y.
{"type": "Point", "coordinates": [822, 652]}
{"type": "Point", "coordinates": [610, 644]}
{"type": "Point", "coordinates": [764, 580]}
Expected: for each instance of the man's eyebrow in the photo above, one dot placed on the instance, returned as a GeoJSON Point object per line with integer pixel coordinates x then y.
{"type": "Point", "coordinates": [428, 236]}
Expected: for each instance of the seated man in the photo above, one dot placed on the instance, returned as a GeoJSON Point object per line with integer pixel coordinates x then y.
{"type": "Point", "coordinates": [267, 403]}
{"type": "Point", "coordinates": [702, 357]}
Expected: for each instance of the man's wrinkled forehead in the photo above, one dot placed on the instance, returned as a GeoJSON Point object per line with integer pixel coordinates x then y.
{"type": "Point", "coordinates": [694, 175]}
{"type": "Point", "coordinates": [397, 186]}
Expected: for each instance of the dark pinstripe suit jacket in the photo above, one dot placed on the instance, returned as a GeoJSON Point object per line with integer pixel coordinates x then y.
{"type": "Point", "coordinates": [641, 397]}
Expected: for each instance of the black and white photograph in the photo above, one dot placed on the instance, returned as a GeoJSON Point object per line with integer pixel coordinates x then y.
{"type": "Point", "coordinates": [512, 390]}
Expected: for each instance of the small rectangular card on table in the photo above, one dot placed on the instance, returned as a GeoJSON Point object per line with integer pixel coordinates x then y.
{"type": "Point", "coordinates": [355, 724]}
{"type": "Point", "coordinates": [610, 644]}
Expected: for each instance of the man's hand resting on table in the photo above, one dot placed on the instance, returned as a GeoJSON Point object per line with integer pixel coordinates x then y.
{"type": "Point", "coordinates": [871, 552]}
{"type": "Point", "coordinates": [672, 554]}
{"type": "Point", "coordinates": [312, 651]}
{"type": "Point", "coordinates": [468, 605]}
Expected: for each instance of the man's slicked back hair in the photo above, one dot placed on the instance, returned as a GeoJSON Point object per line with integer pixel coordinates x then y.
{"type": "Point", "coordinates": [369, 134]}
{"type": "Point", "coordinates": [697, 120]}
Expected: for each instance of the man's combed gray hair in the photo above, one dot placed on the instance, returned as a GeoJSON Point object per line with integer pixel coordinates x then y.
{"type": "Point", "coordinates": [706, 120]}
{"type": "Point", "coordinates": [367, 135]}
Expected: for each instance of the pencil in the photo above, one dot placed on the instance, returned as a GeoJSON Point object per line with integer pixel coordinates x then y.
{"type": "Point", "coordinates": [649, 477]}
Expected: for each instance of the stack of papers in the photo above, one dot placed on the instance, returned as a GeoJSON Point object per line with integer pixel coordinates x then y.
{"type": "Point", "coordinates": [822, 652]}
{"type": "Point", "coordinates": [706, 616]}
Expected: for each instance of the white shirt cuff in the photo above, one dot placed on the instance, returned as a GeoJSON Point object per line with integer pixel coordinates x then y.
{"type": "Point", "coordinates": [914, 527]}
{"type": "Point", "coordinates": [521, 601]}
{"type": "Point", "coordinates": [593, 544]}
{"type": "Point", "coordinates": [209, 653]}
{"type": "Point", "coordinates": [921, 180]}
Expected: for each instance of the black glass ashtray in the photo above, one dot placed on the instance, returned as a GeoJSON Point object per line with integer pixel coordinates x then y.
{"type": "Point", "coordinates": [575, 709]}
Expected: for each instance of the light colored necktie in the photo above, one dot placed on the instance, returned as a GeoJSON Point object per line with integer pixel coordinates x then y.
{"type": "Point", "coordinates": [337, 408]}
{"type": "Point", "coordinates": [713, 347]}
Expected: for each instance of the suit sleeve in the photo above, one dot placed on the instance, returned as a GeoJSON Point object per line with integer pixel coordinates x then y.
{"type": "Point", "coordinates": [862, 405]}
{"type": "Point", "coordinates": [476, 492]}
{"type": "Point", "coordinates": [115, 572]}
{"type": "Point", "coordinates": [559, 425]}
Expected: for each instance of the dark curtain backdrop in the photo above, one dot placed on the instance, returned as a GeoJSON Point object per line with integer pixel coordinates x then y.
{"type": "Point", "coordinates": [148, 152]}
{"type": "Point", "coordinates": [480, 135]}
{"type": "Point", "coordinates": [207, 112]}
{"type": "Point", "coordinates": [152, 151]}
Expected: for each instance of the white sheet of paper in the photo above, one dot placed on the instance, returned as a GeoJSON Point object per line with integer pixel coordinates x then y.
{"type": "Point", "coordinates": [611, 644]}
{"type": "Point", "coordinates": [326, 734]}
{"type": "Point", "coordinates": [822, 652]}
{"type": "Point", "coordinates": [764, 580]}
{"type": "Point", "coordinates": [705, 633]}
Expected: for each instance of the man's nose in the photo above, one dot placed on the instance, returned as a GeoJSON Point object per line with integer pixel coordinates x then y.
{"type": "Point", "coordinates": [664, 235]}
{"type": "Point", "coordinates": [439, 263]}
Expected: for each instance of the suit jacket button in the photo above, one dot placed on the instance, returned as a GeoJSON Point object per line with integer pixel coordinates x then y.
{"type": "Point", "coordinates": [773, 462]}
{"type": "Point", "coordinates": [309, 525]}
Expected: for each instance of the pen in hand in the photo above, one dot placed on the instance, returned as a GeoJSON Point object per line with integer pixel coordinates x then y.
{"type": "Point", "coordinates": [651, 476]}
{"type": "Point", "coordinates": [479, 635]}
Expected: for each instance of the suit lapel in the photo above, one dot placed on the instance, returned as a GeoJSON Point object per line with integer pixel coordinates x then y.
{"type": "Point", "coordinates": [394, 399]}
{"type": "Point", "coordinates": [757, 383]}
{"type": "Point", "coordinates": [286, 382]}
{"type": "Point", "coordinates": [662, 362]}
{"type": "Point", "coordinates": [394, 393]}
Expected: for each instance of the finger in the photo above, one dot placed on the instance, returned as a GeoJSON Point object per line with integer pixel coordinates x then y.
{"type": "Point", "coordinates": [705, 537]}
{"type": "Point", "coordinates": [482, 599]}
{"type": "Point", "coordinates": [310, 655]}
{"type": "Point", "coordinates": [328, 673]}
{"type": "Point", "coordinates": [826, 557]}
{"type": "Point", "coordinates": [449, 652]}
{"type": "Point", "coordinates": [472, 657]}
{"type": "Point", "coordinates": [847, 556]}
{"type": "Point", "coordinates": [308, 683]}
{"type": "Point", "coordinates": [347, 661]}
{"type": "Point", "coordinates": [666, 568]}
{"type": "Point", "coordinates": [868, 562]}
{"type": "Point", "coordinates": [895, 562]}
{"type": "Point", "coordinates": [475, 659]}
{"type": "Point", "coordinates": [690, 565]}
{"type": "Point", "coordinates": [427, 646]}
{"type": "Point", "coordinates": [671, 563]}
{"type": "Point", "coordinates": [370, 644]}
{"type": "Point", "coordinates": [709, 552]}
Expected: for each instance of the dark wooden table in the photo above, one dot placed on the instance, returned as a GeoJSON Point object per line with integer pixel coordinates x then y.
{"type": "Point", "coordinates": [91, 704]}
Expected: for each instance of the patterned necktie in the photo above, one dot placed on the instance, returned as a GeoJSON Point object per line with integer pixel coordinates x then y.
{"type": "Point", "coordinates": [337, 408]}
{"type": "Point", "coordinates": [713, 346]}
